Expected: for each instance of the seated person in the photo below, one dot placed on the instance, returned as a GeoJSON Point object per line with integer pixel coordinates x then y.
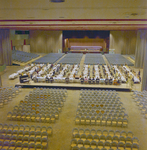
{"type": "Point", "coordinates": [93, 80]}
{"type": "Point", "coordinates": [97, 80]}
{"type": "Point", "coordinates": [67, 79]}
{"type": "Point", "coordinates": [110, 81]}
{"type": "Point", "coordinates": [85, 80]}
{"type": "Point", "coordinates": [115, 81]}
{"type": "Point", "coordinates": [47, 79]}
{"type": "Point", "coordinates": [82, 80]}
{"type": "Point", "coordinates": [89, 80]}
{"type": "Point", "coordinates": [106, 80]}
{"type": "Point", "coordinates": [51, 79]}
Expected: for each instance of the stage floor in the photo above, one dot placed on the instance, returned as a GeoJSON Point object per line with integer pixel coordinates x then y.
{"type": "Point", "coordinates": [75, 86]}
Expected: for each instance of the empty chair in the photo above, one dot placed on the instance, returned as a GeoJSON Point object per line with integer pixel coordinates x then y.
{"type": "Point", "coordinates": [82, 148]}
{"type": "Point", "coordinates": [102, 138]}
{"type": "Point", "coordinates": [107, 145]}
{"type": "Point", "coordinates": [108, 121]}
{"type": "Point", "coordinates": [99, 132]}
{"type": "Point", "coordinates": [114, 121]}
{"type": "Point", "coordinates": [128, 146]}
{"type": "Point", "coordinates": [80, 143]}
{"type": "Point", "coordinates": [38, 147]}
{"type": "Point", "coordinates": [108, 138]}
{"type": "Point", "coordinates": [93, 132]}
{"type": "Point", "coordinates": [115, 139]}
{"type": "Point", "coordinates": [105, 132]}
{"type": "Point", "coordinates": [44, 134]}
{"type": "Point", "coordinates": [123, 133]}
{"type": "Point", "coordinates": [122, 139]}
{"type": "Point", "coordinates": [117, 133]}
{"type": "Point", "coordinates": [135, 140]}
{"type": "Point", "coordinates": [96, 138]}
{"type": "Point", "coordinates": [87, 131]}
{"type": "Point", "coordinates": [38, 140]}
{"type": "Point", "coordinates": [75, 131]}
{"type": "Point", "coordinates": [93, 144]}
{"type": "Point", "coordinates": [93, 121]}
{"type": "Point", "coordinates": [98, 121]}
{"type": "Point", "coordinates": [120, 145]}
{"type": "Point", "coordinates": [32, 146]}
{"type": "Point", "coordinates": [82, 120]}
{"type": "Point", "coordinates": [77, 136]}
{"type": "Point", "coordinates": [119, 122]}
{"type": "Point", "coordinates": [128, 140]}
{"type": "Point", "coordinates": [12, 145]}
{"type": "Point", "coordinates": [124, 122]}
{"type": "Point", "coordinates": [86, 143]}
{"type": "Point", "coordinates": [135, 146]}
{"type": "Point", "coordinates": [130, 134]}
{"type": "Point", "coordinates": [111, 133]}
{"type": "Point", "coordinates": [89, 137]}
{"type": "Point", "coordinates": [114, 145]}
{"type": "Point", "coordinates": [44, 143]}
{"type": "Point", "coordinates": [77, 120]}
{"type": "Point", "coordinates": [100, 145]}
{"type": "Point", "coordinates": [49, 131]}
{"type": "Point", "coordinates": [73, 143]}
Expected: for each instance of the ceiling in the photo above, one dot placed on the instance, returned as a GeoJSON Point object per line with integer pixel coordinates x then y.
{"type": "Point", "coordinates": [74, 14]}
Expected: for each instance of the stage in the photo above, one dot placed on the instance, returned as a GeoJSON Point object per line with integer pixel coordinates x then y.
{"type": "Point", "coordinates": [75, 86]}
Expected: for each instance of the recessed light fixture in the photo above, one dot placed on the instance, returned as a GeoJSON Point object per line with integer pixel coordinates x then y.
{"type": "Point", "coordinates": [57, 1]}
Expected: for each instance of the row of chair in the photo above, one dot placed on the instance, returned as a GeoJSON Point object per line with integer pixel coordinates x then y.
{"type": "Point", "coordinates": [23, 128]}
{"type": "Point", "coordinates": [33, 117]}
{"type": "Point", "coordinates": [102, 132]}
{"type": "Point", "coordinates": [101, 146]}
{"type": "Point", "coordinates": [22, 146]}
{"type": "Point", "coordinates": [104, 121]}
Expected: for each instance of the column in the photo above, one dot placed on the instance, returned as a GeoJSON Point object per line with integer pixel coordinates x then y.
{"type": "Point", "coordinates": [144, 77]}
{"type": "Point", "coordinates": [140, 48]}
{"type": "Point", "coordinates": [5, 48]}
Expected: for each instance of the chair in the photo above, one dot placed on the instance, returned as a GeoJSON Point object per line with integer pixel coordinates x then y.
{"type": "Point", "coordinates": [44, 134]}
{"type": "Point", "coordinates": [32, 146]}
{"type": "Point", "coordinates": [100, 145]}
{"type": "Point", "coordinates": [105, 132]}
{"type": "Point", "coordinates": [130, 134]}
{"type": "Point", "coordinates": [73, 143]}
{"type": "Point", "coordinates": [83, 137]}
{"type": "Point", "coordinates": [89, 137]}
{"type": "Point", "coordinates": [120, 145]}
{"type": "Point", "coordinates": [123, 133]}
{"type": "Point", "coordinates": [87, 131]}
{"type": "Point", "coordinates": [128, 146]}
{"type": "Point", "coordinates": [102, 138]}
{"type": "Point", "coordinates": [93, 132]}
{"type": "Point", "coordinates": [44, 143]}
{"type": "Point", "coordinates": [114, 121]}
{"type": "Point", "coordinates": [124, 122]}
{"type": "Point", "coordinates": [108, 121]}
{"type": "Point", "coordinates": [75, 131]}
{"type": "Point", "coordinates": [93, 144]}
{"type": "Point", "coordinates": [82, 148]}
{"type": "Point", "coordinates": [135, 146]}
{"type": "Point", "coordinates": [77, 136]}
{"type": "Point", "coordinates": [38, 147]}
{"type": "Point", "coordinates": [77, 120]}
{"type": "Point", "coordinates": [117, 133]}
{"type": "Point", "coordinates": [75, 148]}
{"type": "Point", "coordinates": [114, 145]}
{"type": "Point", "coordinates": [49, 131]}
{"type": "Point", "coordinates": [5, 145]}
{"type": "Point", "coordinates": [135, 140]}
{"type": "Point", "coordinates": [98, 121]}
{"type": "Point", "coordinates": [26, 134]}
{"type": "Point", "coordinates": [12, 145]}
{"type": "Point", "coordinates": [115, 139]}
{"type": "Point", "coordinates": [93, 121]}
{"type": "Point", "coordinates": [96, 138]}
{"type": "Point", "coordinates": [38, 140]}
{"type": "Point", "coordinates": [32, 140]}
{"type": "Point", "coordinates": [21, 127]}
{"type": "Point", "coordinates": [82, 120]}
{"type": "Point", "coordinates": [107, 145]}
{"type": "Point", "coordinates": [38, 134]}
{"type": "Point", "coordinates": [80, 143]}
{"type": "Point", "coordinates": [38, 128]}
{"type": "Point", "coordinates": [122, 139]}
{"type": "Point", "coordinates": [86, 143]}
{"type": "Point", "coordinates": [18, 146]}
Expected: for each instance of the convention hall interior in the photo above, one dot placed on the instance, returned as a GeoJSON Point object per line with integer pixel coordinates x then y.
{"type": "Point", "coordinates": [73, 75]}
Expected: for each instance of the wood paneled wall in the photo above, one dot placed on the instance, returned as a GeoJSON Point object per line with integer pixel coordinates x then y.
{"type": "Point", "coordinates": [45, 41]}
{"type": "Point", "coordinates": [124, 42]}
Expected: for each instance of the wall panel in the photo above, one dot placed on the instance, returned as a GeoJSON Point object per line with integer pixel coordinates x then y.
{"type": "Point", "coordinates": [124, 42]}
{"type": "Point", "coordinates": [45, 41]}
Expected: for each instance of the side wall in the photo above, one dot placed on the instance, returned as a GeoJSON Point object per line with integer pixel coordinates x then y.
{"type": "Point", "coordinates": [45, 41]}
{"type": "Point", "coordinates": [124, 42]}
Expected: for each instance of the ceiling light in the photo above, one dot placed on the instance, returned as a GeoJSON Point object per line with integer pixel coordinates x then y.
{"type": "Point", "coordinates": [57, 1]}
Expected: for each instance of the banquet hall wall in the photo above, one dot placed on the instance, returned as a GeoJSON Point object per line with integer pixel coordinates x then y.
{"type": "Point", "coordinates": [45, 41]}
{"type": "Point", "coordinates": [124, 42]}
